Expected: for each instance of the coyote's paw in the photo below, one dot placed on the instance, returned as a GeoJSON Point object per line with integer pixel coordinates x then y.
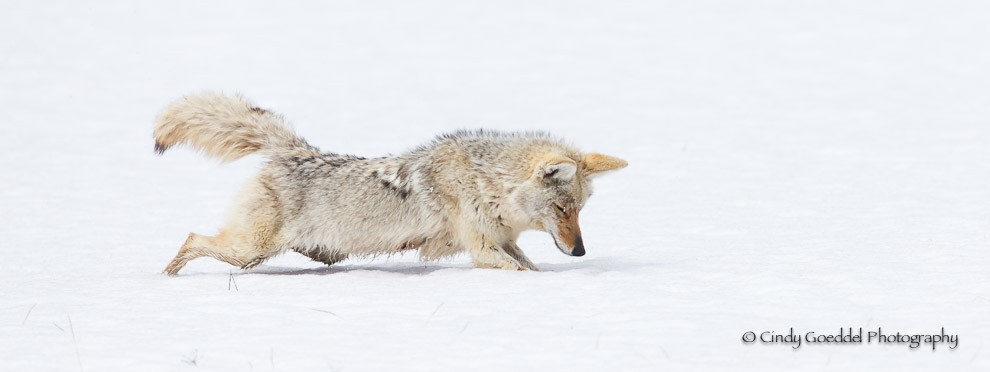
{"type": "Point", "coordinates": [253, 263]}
{"type": "Point", "coordinates": [503, 265]}
{"type": "Point", "coordinates": [514, 265]}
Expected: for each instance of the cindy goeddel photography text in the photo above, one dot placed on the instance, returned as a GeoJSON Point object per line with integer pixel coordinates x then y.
{"type": "Point", "coordinates": [854, 336]}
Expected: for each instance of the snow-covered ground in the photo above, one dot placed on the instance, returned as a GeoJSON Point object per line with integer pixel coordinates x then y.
{"type": "Point", "coordinates": [792, 164]}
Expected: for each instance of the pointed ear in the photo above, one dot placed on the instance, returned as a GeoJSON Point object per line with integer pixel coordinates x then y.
{"type": "Point", "coordinates": [594, 163]}
{"type": "Point", "coordinates": [556, 168]}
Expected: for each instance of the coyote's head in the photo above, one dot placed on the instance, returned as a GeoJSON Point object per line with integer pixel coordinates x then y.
{"type": "Point", "coordinates": [551, 199]}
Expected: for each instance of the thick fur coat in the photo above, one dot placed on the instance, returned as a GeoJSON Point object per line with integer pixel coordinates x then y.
{"type": "Point", "coordinates": [468, 191]}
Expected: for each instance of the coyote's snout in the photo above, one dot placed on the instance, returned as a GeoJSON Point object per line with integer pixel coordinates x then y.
{"type": "Point", "coordinates": [468, 191]}
{"type": "Point", "coordinates": [567, 233]}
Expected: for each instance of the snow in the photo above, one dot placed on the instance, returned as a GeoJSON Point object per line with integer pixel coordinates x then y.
{"type": "Point", "coordinates": [792, 164]}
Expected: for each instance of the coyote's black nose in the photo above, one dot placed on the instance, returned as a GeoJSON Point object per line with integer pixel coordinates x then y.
{"type": "Point", "coordinates": [578, 247]}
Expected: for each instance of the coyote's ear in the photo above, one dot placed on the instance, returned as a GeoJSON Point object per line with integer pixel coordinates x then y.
{"type": "Point", "coordinates": [556, 168]}
{"type": "Point", "coordinates": [594, 163]}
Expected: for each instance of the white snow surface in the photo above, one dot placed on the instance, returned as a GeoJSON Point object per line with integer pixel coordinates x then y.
{"type": "Point", "coordinates": [815, 165]}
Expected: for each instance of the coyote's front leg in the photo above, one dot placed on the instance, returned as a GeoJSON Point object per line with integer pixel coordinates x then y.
{"type": "Point", "coordinates": [487, 252]}
{"type": "Point", "coordinates": [513, 250]}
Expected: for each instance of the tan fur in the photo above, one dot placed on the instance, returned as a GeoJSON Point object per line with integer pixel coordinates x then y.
{"type": "Point", "coordinates": [567, 225]}
{"type": "Point", "coordinates": [223, 127]}
{"type": "Point", "coordinates": [597, 163]}
{"type": "Point", "coordinates": [471, 192]}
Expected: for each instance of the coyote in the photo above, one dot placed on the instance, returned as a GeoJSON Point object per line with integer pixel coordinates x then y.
{"type": "Point", "coordinates": [472, 191]}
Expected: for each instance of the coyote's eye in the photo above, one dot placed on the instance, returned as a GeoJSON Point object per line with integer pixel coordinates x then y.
{"type": "Point", "coordinates": [559, 208]}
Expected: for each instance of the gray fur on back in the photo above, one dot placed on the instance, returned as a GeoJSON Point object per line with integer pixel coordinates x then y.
{"type": "Point", "coordinates": [345, 203]}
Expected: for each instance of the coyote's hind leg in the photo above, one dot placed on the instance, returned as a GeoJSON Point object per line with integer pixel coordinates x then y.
{"type": "Point", "coordinates": [235, 249]}
{"type": "Point", "coordinates": [249, 238]}
{"type": "Point", "coordinates": [195, 247]}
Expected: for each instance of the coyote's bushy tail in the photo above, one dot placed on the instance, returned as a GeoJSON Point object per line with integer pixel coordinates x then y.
{"type": "Point", "coordinates": [225, 127]}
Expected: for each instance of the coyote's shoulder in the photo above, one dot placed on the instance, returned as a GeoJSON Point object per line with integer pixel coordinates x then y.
{"type": "Point", "coordinates": [466, 191]}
